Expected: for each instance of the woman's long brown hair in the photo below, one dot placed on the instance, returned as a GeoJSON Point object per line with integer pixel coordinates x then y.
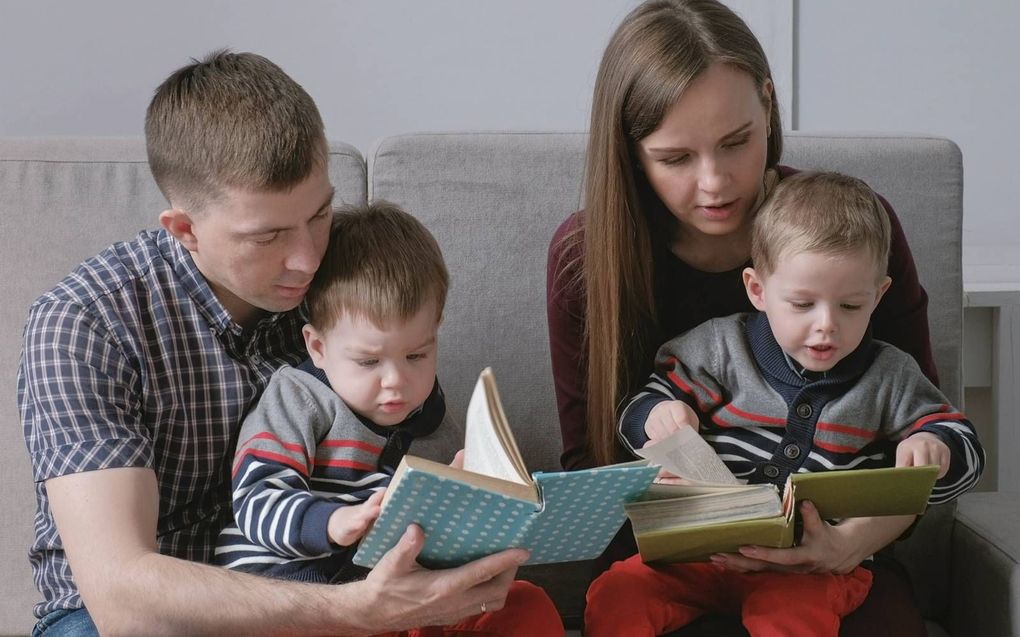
{"type": "Point", "coordinates": [657, 50]}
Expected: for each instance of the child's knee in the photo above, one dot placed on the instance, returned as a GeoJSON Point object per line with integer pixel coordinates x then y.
{"type": "Point", "coordinates": [532, 602]}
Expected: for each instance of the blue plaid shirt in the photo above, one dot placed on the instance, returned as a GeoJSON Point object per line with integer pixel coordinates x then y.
{"type": "Point", "coordinates": [131, 361]}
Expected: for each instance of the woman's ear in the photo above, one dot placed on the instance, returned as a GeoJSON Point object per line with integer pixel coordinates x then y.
{"type": "Point", "coordinates": [755, 287]}
{"type": "Point", "coordinates": [767, 99]}
{"type": "Point", "coordinates": [179, 224]}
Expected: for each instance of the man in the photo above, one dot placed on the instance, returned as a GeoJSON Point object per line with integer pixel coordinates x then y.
{"type": "Point", "coordinates": [139, 366]}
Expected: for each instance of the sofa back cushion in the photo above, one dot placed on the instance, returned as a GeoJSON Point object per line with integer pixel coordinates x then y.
{"type": "Point", "coordinates": [63, 200]}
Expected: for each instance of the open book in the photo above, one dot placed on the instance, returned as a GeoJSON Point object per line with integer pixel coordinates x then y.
{"type": "Point", "coordinates": [494, 503]}
{"type": "Point", "coordinates": [714, 513]}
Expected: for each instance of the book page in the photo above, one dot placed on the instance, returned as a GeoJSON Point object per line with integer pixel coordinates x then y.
{"type": "Point", "coordinates": [687, 455]}
{"type": "Point", "coordinates": [485, 449]}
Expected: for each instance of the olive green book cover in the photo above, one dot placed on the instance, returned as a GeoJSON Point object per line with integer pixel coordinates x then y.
{"type": "Point", "coordinates": [698, 522]}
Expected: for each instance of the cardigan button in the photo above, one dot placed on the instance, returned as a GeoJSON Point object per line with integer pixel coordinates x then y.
{"type": "Point", "coordinates": [791, 451]}
{"type": "Point", "coordinates": [771, 471]}
{"type": "Point", "coordinates": [804, 410]}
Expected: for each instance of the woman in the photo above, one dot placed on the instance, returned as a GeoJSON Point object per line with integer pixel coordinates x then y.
{"type": "Point", "coordinates": [685, 142]}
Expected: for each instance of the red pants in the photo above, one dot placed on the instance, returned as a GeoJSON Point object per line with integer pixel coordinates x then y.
{"type": "Point", "coordinates": [528, 612]}
{"type": "Point", "coordinates": [633, 598]}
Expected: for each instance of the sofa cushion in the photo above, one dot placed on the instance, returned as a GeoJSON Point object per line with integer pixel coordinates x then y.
{"type": "Point", "coordinates": [63, 200]}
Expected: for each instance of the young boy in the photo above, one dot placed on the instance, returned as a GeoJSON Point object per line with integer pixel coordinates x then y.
{"type": "Point", "coordinates": [799, 386]}
{"type": "Point", "coordinates": [317, 452]}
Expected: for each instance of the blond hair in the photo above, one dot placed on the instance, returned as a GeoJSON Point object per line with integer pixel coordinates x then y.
{"type": "Point", "coordinates": [232, 120]}
{"type": "Point", "coordinates": [651, 59]}
{"type": "Point", "coordinates": [821, 212]}
{"type": "Point", "coordinates": [381, 264]}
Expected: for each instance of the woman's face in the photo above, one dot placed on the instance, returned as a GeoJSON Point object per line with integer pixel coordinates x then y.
{"type": "Point", "coordinates": [706, 159]}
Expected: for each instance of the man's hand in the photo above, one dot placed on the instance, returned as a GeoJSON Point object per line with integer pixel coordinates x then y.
{"type": "Point", "coordinates": [667, 417]}
{"type": "Point", "coordinates": [347, 524]}
{"type": "Point", "coordinates": [923, 448]}
{"type": "Point", "coordinates": [402, 594]}
{"type": "Point", "coordinates": [823, 548]}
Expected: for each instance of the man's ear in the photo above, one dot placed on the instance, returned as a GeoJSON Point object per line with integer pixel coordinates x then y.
{"type": "Point", "coordinates": [314, 344]}
{"type": "Point", "coordinates": [755, 289]}
{"type": "Point", "coordinates": [179, 224]}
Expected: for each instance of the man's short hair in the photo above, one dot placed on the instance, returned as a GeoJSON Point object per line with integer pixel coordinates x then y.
{"type": "Point", "coordinates": [381, 264]}
{"type": "Point", "coordinates": [232, 120]}
{"type": "Point", "coordinates": [822, 212]}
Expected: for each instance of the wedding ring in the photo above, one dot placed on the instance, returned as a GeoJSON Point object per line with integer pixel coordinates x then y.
{"type": "Point", "coordinates": [483, 607]}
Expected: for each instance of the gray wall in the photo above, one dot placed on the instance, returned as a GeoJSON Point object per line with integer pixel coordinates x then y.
{"type": "Point", "coordinates": [935, 66]}
{"type": "Point", "coordinates": [393, 66]}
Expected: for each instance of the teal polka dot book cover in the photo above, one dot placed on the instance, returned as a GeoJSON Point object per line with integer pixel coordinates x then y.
{"type": "Point", "coordinates": [493, 503]}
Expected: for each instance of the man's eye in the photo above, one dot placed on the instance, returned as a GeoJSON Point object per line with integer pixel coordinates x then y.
{"type": "Point", "coordinates": [417, 357]}
{"type": "Point", "coordinates": [368, 362]}
{"type": "Point", "coordinates": [266, 240]}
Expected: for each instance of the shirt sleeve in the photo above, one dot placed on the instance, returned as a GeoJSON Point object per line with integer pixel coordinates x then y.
{"type": "Point", "coordinates": [79, 395]}
{"type": "Point", "coordinates": [565, 312]}
{"type": "Point", "coordinates": [924, 408]}
{"type": "Point", "coordinates": [683, 371]}
{"type": "Point", "coordinates": [274, 504]}
{"type": "Point", "coordinates": [901, 317]}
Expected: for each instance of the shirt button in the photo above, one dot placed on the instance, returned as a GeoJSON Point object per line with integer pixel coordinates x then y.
{"type": "Point", "coordinates": [804, 410]}
{"type": "Point", "coordinates": [791, 451]}
{"type": "Point", "coordinates": [771, 471]}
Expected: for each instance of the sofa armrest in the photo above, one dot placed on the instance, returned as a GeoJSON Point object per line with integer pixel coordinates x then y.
{"type": "Point", "coordinates": [985, 594]}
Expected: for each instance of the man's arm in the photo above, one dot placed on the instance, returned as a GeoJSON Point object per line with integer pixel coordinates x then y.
{"type": "Point", "coordinates": [107, 521]}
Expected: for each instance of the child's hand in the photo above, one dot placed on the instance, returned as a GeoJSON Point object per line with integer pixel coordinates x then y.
{"type": "Point", "coordinates": [923, 448]}
{"type": "Point", "coordinates": [347, 524]}
{"type": "Point", "coordinates": [667, 417]}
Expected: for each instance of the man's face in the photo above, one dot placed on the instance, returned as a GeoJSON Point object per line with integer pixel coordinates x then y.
{"type": "Point", "coordinates": [259, 250]}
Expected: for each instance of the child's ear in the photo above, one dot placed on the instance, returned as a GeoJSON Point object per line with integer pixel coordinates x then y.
{"type": "Point", "coordinates": [882, 288]}
{"type": "Point", "coordinates": [314, 344]}
{"type": "Point", "coordinates": [755, 289]}
{"type": "Point", "coordinates": [178, 223]}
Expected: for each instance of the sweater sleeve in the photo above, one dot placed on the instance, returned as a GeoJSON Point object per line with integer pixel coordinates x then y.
{"type": "Point", "coordinates": [274, 505]}
{"type": "Point", "coordinates": [565, 313]}
{"type": "Point", "coordinates": [684, 370]}
{"type": "Point", "coordinates": [922, 407]}
{"type": "Point", "coordinates": [901, 317]}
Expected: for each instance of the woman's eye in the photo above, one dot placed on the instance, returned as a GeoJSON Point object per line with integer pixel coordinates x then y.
{"type": "Point", "coordinates": [674, 161]}
{"type": "Point", "coordinates": [736, 143]}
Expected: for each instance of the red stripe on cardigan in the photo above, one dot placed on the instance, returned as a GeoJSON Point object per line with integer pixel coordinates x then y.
{"type": "Point", "coordinates": [765, 420]}
{"type": "Point", "coordinates": [685, 388]}
{"type": "Point", "coordinates": [354, 444]}
{"type": "Point", "coordinates": [271, 457]}
{"type": "Point", "coordinates": [945, 415]}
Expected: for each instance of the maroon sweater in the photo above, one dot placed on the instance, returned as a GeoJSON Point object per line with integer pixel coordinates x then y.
{"type": "Point", "coordinates": [686, 297]}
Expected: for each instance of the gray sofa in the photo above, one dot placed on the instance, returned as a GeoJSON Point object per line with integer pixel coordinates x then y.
{"type": "Point", "coordinates": [493, 201]}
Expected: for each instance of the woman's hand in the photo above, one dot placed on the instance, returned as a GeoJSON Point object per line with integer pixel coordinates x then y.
{"type": "Point", "coordinates": [824, 548]}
